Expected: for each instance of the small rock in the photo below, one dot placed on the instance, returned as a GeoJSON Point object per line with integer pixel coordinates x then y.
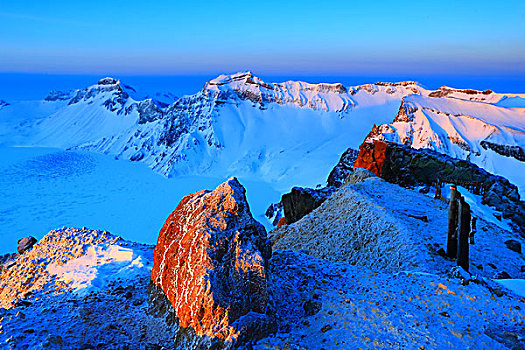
{"type": "Point", "coordinates": [522, 268]}
{"type": "Point", "coordinates": [53, 340]}
{"type": "Point", "coordinates": [444, 314]}
{"type": "Point", "coordinates": [326, 328]}
{"type": "Point", "coordinates": [442, 252]}
{"type": "Point", "coordinates": [513, 245]}
{"type": "Point", "coordinates": [502, 275]}
{"type": "Point", "coordinates": [25, 244]}
{"type": "Point", "coordinates": [311, 307]}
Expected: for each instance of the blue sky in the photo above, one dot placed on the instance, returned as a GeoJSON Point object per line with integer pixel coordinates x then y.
{"type": "Point", "coordinates": [268, 37]}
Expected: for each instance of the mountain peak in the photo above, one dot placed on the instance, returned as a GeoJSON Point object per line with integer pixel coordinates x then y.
{"type": "Point", "coordinates": [108, 81]}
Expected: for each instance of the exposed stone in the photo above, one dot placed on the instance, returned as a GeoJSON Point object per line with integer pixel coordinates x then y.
{"type": "Point", "coordinates": [301, 201]}
{"type": "Point", "coordinates": [501, 275]}
{"type": "Point", "coordinates": [148, 111]}
{"type": "Point", "coordinates": [107, 81]}
{"type": "Point", "coordinates": [209, 271]}
{"type": "Point", "coordinates": [275, 213]}
{"type": "Point", "coordinates": [311, 307]}
{"type": "Point", "coordinates": [513, 245]}
{"type": "Point", "coordinates": [410, 167]}
{"type": "Point", "coordinates": [25, 244]}
{"type": "Point", "coordinates": [343, 168]}
{"type": "Point", "coordinates": [505, 150]}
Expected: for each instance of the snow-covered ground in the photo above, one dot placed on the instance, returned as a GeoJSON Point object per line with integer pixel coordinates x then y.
{"type": "Point", "coordinates": [358, 272]}
{"type": "Point", "coordinates": [43, 189]}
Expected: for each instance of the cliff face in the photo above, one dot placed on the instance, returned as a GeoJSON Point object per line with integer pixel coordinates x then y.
{"type": "Point", "coordinates": [210, 270]}
{"type": "Point", "coordinates": [410, 167]}
{"type": "Point", "coordinates": [464, 124]}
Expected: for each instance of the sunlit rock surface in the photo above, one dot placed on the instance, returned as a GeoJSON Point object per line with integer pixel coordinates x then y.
{"type": "Point", "coordinates": [209, 273]}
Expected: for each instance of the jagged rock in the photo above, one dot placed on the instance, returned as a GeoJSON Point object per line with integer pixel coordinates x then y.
{"type": "Point", "coordinates": [275, 213]}
{"type": "Point", "coordinates": [513, 245]}
{"type": "Point", "coordinates": [343, 168]}
{"type": "Point", "coordinates": [445, 91]}
{"type": "Point", "coordinates": [410, 167]}
{"type": "Point", "coordinates": [502, 275]}
{"type": "Point", "coordinates": [107, 81]}
{"type": "Point", "coordinates": [148, 112]}
{"type": "Point", "coordinates": [209, 272]}
{"type": "Point", "coordinates": [25, 244]}
{"type": "Point", "coordinates": [301, 201]}
{"type": "Point", "coordinates": [505, 150]}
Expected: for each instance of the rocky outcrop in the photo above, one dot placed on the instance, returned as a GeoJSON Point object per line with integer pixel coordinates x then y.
{"type": "Point", "coordinates": [29, 273]}
{"type": "Point", "coordinates": [410, 167]}
{"type": "Point", "coordinates": [505, 150]}
{"type": "Point", "coordinates": [108, 81]}
{"type": "Point", "coordinates": [343, 168]}
{"type": "Point", "coordinates": [301, 201]}
{"type": "Point", "coordinates": [444, 91]}
{"type": "Point", "coordinates": [246, 86]}
{"type": "Point", "coordinates": [26, 243]}
{"type": "Point", "coordinates": [148, 111]}
{"type": "Point", "coordinates": [209, 273]}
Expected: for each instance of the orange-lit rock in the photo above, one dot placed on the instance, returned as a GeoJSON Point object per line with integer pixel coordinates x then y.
{"type": "Point", "coordinates": [210, 262]}
{"type": "Point", "coordinates": [372, 157]}
{"type": "Point", "coordinates": [282, 221]}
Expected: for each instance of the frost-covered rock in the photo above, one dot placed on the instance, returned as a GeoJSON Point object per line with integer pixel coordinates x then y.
{"type": "Point", "coordinates": [210, 270]}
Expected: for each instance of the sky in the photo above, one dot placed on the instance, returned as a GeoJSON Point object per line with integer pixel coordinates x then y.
{"type": "Point", "coordinates": [268, 37]}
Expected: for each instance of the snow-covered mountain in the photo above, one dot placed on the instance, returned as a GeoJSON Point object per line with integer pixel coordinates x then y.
{"type": "Point", "coordinates": [289, 133]}
{"type": "Point", "coordinates": [480, 126]}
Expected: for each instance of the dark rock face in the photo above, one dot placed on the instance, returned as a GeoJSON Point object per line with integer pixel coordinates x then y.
{"type": "Point", "coordinates": [410, 167]}
{"type": "Point", "coordinates": [274, 212]}
{"type": "Point", "coordinates": [513, 245]}
{"type": "Point", "coordinates": [445, 91]}
{"type": "Point", "coordinates": [505, 150]}
{"type": "Point", "coordinates": [343, 168]}
{"type": "Point", "coordinates": [107, 81]}
{"type": "Point", "coordinates": [301, 201]}
{"type": "Point", "coordinates": [25, 244]}
{"type": "Point", "coordinates": [209, 276]}
{"type": "Point", "coordinates": [502, 275]}
{"type": "Point", "coordinates": [148, 112]}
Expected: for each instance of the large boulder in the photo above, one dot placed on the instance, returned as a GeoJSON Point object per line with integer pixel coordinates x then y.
{"type": "Point", "coordinates": [209, 277]}
{"type": "Point", "coordinates": [26, 243]}
{"type": "Point", "coordinates": [301, 201]}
